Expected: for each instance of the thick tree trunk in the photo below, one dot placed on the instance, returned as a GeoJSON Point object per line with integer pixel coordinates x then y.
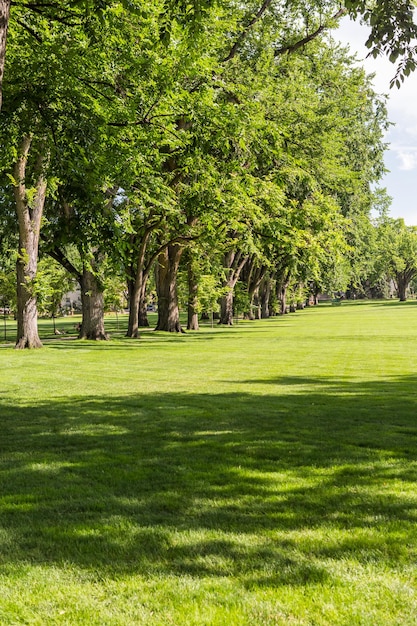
{"type": "Point", "coordinates": [166, 288]}
{"type": "Point", "coordinates": [283, 299]}
{"type": "Point", "coordinates": [402, 288]}
{"type": "Point", "coordinates": [265, 295]}
{"type": "Point", "coordinates": [282, 296]}
{"type": "Point", "coordinates": [226, 308]}
{"type": "Point", "coordinates": [143, 311]}
{"type": "Point", "coordinates": [92, 302]}
{"type": "Point", "coordinates": [253, 275]}
{"type": "Point", "coordinates": [27, 312]}
{"type": "Point", "coordinates": [282, 288]}
{"type": "Point", "coordinates": [133, 323]}
{"type": "Point", "coordinates": [138, 314]}
{"type": "Point", "coordinates": [29, 217]}
{"type": "Point", "coordinates": [234, 261]}
{"type": "Point", "coordinates": [192, 321]}
{"type": "Point", "coordinates": [137, 288]}
{"type": "Point", "coordinates": [4, 23]}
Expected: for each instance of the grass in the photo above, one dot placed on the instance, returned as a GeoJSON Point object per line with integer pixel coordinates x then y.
{"type": "Point", "coordinates": [257, 475]}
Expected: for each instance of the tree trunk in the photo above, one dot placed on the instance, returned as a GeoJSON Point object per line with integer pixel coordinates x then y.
{"type": "Point", "coordinates": [4, 23]}
{"type": "Point", "coordinates": [92, 302]}
{"type": "Point", "coordinates": [27, 312]}
{"type": "Point", "coordinates": [234, 262]}
{"type": "Point", "coordinates": [282, 285]}
{"type": "Point", "coordinates": [402, 288]}
{"type": "Point", "coordinates": [137, 286]}
{"type": "Point", "coordinates": [253, 275]}
{"type": "Point", "coordinates": [254, 312]}
{"type": "Point", "coordinates": [226, 308]}
{"type": "Point", "coordinates": [29, 217]}
{"type": "Point", "coordinates": [283, 299]}
{"type": "Point", "coordinates": [143, 312]}
{"type": "Point", "coordinates": [192, 322]}
{"type": "Point", "coordinates": [138, 314]}
{"type": "Point", "coordinates": [282, 296]}
{"type": "Point", "coordinates": [166, 288]}
{"type": "Point", "coordinates": [134, 296]}
{"type": "Point", "coordinates": [265, 295]}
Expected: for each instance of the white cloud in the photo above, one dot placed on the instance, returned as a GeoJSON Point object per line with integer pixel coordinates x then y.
{"type": "Point", "coordinates": [407, 159]}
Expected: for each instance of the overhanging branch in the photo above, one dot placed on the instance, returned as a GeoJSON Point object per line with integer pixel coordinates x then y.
{"type": "Point", "coordinates": [302, 42]}
{"type": "Point", "coordinates": [241, 38]}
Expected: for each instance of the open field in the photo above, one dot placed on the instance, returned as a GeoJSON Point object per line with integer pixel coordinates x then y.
{"type": "Point", "coordinates": [258, 475]}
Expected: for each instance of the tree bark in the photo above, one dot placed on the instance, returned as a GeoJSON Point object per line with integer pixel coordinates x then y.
{"type": "Point", "coordinates": [234, 262]}
{"type": "Point", "coordinates": [143, 312]}
{"type": "Point", "coordinates": [265, 295]}
{"type": "Point", "coordinates": [92, 297]}
{"type": "Point", "coordinates": [138, 315]}
{"type": "Point", "coordinates": [226, 308]}
{"type": "Point", "coordinates": [27, 312]}
{"type": "Point", "coordinates": [254, 312]}
{"type": "Point", "coordinates": [29, 217]}
{"type": "Point", "coordinates": [253, 275]}
{"type": "Point", "coordinates": [402, 285]}
{"type": "Point", "coordinates": [166, 288]}
{"type": "Point", "coordinates": [4, 24]}
{"type": "Point", "coordinates": [282, 288]}
{"type": "Point", "coordinates": [92, 302]}
{"type": "Point", "coordinates": [137, 285]}
{"type": "Point", "coordinates": [403, 280]}
{"type": "Point", "coordinates": [134, 296]}
{"type": "Point", "coordinates": [192, 321]}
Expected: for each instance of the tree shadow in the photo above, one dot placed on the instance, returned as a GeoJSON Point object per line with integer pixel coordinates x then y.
{"type": "Point", "coordinates": [212, 485]}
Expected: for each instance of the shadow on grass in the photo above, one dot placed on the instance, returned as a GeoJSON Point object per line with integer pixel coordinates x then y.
{"type": "Point", "coordinates": [219, 485]}
{"type": "Point", "coordinates": [151, 338]}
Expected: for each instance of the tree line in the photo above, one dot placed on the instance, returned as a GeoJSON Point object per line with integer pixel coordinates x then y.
{"type": "Point", "coordinates": [231, 143]}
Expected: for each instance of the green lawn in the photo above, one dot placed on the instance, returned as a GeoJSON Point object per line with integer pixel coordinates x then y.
{"type": "Point", "coordinates": [263, 474]}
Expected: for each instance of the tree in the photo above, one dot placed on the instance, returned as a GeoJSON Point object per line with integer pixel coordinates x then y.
{"type": "Point", "coordinates": [397, 245]}
{"type": "Point", "coordinates": [29, 209]}
{"type": "Point", "coordinates": [232, 133]}
{"type": "Point", "coordinates": [37, 120]}
{"type": "Point", "coordinates": [51, 284]}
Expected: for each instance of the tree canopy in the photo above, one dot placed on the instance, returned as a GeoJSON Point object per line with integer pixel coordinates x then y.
{"type": "Point", "coordinates": [143, 136]}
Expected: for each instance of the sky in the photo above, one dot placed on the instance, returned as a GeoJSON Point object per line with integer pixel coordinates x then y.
{"type": "Point", "coordinates": [401, 155]}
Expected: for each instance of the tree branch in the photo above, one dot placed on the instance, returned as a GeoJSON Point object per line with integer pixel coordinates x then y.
{"type": "Point", "coordinates": [38, 8]}
{"type": "Point", "coordinates": [302, 42]}
{"type": "Point", "coordinates": [30, 31]}
{"type": "Point", "coordinates": [241, 38]}
{"type": "Point", "coordinates": [57, 254]}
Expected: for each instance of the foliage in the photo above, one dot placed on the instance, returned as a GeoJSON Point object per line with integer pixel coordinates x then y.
{"type": "Point", "coordinates": [393, 31]}
{"type": "Point", "coordinates": [187, 123]}
{"type": "Point", "coordinates": [8, 289]}
{"type": "Point", "coordinates": [397, 251]}
{"type": "Point", "coordinates": [241, 300]}
{"type": "Point", "coordinates": [51, 284]}
{"type": "Point", "coordinates": [114, 294]}
{"type": "Point", "coordinates": [210, 292]}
